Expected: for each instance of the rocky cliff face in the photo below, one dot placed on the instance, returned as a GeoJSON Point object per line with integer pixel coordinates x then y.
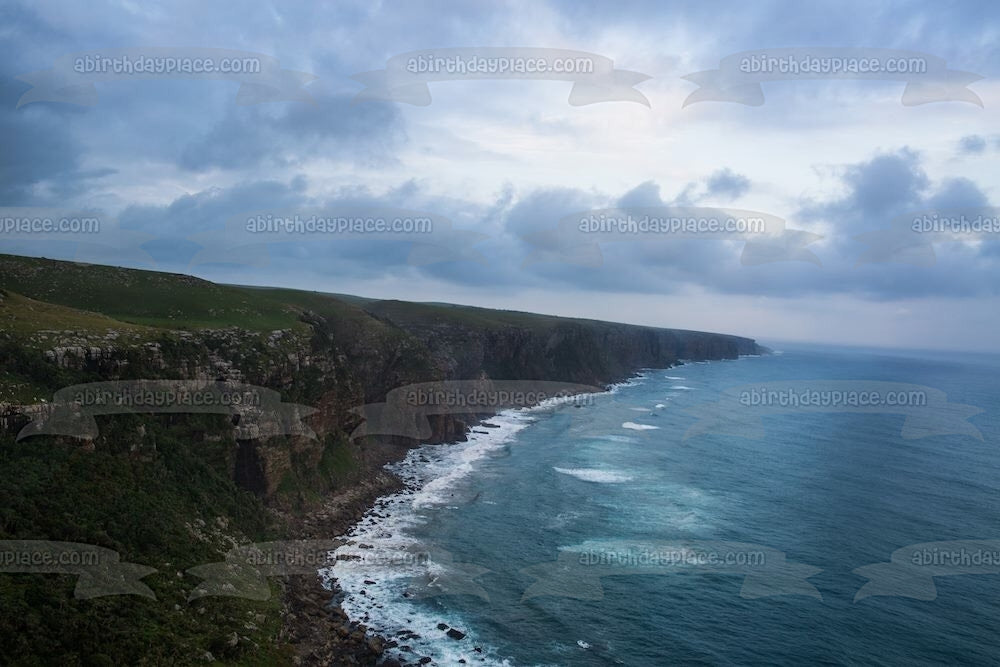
{"type": "Point", "coordinates": [333, 354]}
{"type": "Point", "coordinates": [588, 353]}
{"type": "Point", "coordinates": [336, 367]}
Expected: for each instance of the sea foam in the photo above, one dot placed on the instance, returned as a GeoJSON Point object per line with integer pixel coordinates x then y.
{"type": "Point", "coordinates": [595, 475]}
{"type": "Point", "coordinates": [639, 427]}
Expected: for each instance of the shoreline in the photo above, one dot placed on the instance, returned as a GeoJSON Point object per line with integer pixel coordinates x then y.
{"type": "Point", "coordinates": [315, 621]}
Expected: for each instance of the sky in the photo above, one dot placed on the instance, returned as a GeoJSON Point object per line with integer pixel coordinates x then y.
{"type": "Point", "coordinates": [174, 166]}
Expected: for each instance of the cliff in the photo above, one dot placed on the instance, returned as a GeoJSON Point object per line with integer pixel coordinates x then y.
{"type": "Point", "coordinates": [166, 488]}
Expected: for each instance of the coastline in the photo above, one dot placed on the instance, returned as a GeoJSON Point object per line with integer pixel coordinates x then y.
{"type": "Point", "coordinates": [328, 355]}
{"type": "Point", "coordinates": [315, 620]}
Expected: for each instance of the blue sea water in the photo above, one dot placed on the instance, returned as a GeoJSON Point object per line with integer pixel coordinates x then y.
{"type": "Point", "coordinates": [832, 490]}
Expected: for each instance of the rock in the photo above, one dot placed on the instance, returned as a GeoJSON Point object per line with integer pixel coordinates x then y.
{"type": "Point", "coordinates": [455, 634]}
{"type": "Point", "coordinates": [442, 626]}
{"type": "Point", "coordinates": [424, 660]}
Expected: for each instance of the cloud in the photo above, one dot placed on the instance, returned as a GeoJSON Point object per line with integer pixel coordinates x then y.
{"type": "Point", "coordinates": [249, 137]}
{"type": "Point", "coordinates": [41, 160]}
{"type": "Point", "coordinates": [721, 187]}
{"type": "Point", "coordinates": [876, 192]}
{"type": "Point", "coordinates": [958, 193]}
{"type": "Point", "coordinates": [543, 208]}
{"type": "Point", "coordinates": [972, 144]}
{"type": "Point", "coordinates": [644, 194]}
{"type": "Point", "coordinates": [885, 183]}
{"type": "Point", "coordinates": [726, 185]}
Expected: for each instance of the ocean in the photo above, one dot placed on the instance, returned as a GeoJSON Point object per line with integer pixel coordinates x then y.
{"type": "Point", "coordinates": [622, 528]}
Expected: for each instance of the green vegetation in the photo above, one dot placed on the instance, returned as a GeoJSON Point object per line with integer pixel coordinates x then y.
{"type": "Point", "coordinates": [174, 301]}
{"type": "Point", "coordinates": [137, 297]}
{"type": "Point", "coordinates": [303, 483]}
{"type": "Point", "coordinates": [21, 315]}
{"type": "Point", "coordinates": [161, 490]}
{"type": "Point", "coordinates": [155, 492]}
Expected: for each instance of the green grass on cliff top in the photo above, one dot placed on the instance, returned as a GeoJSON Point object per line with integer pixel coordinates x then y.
{"type": "Point", "coordinates": [70, 295]}
{"type": "Point", "coordinates": [175, 301]}
{"type": "Point", "coordinates": [95, 297]}
{"type": "Point", "coordinates": [407, 313]}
